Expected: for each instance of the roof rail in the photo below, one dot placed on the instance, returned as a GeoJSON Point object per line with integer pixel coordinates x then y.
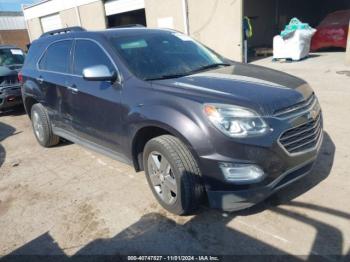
{"type": "Point", "coordinates": [127, 26]}
{"type": "Point", "coordinates": [63, 31]}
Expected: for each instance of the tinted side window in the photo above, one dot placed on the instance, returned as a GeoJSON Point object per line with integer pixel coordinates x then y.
{"type": "Point", "coordinates": [88, 53]}
{"type": "Point", "coordinates": [56, 58]}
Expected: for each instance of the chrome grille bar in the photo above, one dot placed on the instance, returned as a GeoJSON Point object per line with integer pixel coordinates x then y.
{"type": "Point", "coordinates": [315, 139]}
{"type": "Point", "coordinates": [287, 136]}
{"type": "Point", "coordinates": [303, 137]}
{"type": "Point", "coordinates": [297, 108]}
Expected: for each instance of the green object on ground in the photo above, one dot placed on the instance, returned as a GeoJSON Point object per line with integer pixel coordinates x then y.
{"type": "Point", "coordinates": [295, 24]}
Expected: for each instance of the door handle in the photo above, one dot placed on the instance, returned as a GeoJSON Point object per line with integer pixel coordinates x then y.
{"type": "Point", "coordinates": [73, 89]}
{"type": "Point", "coordinates": [40, 79]}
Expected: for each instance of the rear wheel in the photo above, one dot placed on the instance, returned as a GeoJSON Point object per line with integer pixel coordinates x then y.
{"type": "Point", "coordinates": [173, 174]}
{"type": "Point", "coordinates": [42, 126]}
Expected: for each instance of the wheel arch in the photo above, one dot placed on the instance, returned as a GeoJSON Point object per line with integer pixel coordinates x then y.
{"type": "Point", "coordinates": [28, 104]}
{"type": "Point", "coordinates": [31, 95]}
{"type": "Point", "coordinates": [150, 131]}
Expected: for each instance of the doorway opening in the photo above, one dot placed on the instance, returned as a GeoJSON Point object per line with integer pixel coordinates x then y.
{"type": "Point", "coordinates": [127, 18]}
{"type": "Point", "coordinates": [269, 17]}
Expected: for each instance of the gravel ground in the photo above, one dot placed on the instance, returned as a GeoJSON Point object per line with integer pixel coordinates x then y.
{"type": "Point", "coordinates": [70, 201]}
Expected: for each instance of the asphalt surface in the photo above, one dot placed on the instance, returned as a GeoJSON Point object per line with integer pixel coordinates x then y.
{"type": "Point", "coordinates": [68, 200]}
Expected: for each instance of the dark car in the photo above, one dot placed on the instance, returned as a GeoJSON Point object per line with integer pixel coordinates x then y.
{"type": "Point", "coordinates": [11, 61]}
{"type": "Point", "coordinates": [201, 126]}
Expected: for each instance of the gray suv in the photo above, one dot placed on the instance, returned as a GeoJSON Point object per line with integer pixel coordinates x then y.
{"type": "Point", "coordinates": [199, 125]}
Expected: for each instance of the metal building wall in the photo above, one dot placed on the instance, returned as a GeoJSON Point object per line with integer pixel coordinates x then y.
{"type": "Point", "coordinates": [12, 22]}
{"type": "Point", "coordinates": [217, 24]}
{"type": "Point", "coordinates": [86, 13]}
{"type": "Point", "coordinates": [13, 29]}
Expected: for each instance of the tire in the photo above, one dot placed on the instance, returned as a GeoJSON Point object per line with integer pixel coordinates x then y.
{"type": "Point", "coordinates": [182, 169]}
{"type": "Point", "coordinates": [42, 126]}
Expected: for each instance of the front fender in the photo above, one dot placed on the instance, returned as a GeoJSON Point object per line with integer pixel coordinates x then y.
{"type": "Point", "coordinates": [185, 125]}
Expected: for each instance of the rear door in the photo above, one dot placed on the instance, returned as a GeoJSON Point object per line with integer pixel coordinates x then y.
{"type": "Point", "coordinates": [96, 104]}
{"type": "Point", "coordinates": [53, 69]}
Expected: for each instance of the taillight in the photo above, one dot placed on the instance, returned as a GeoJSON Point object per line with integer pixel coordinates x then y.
{"type": "Point", "coordinates": [20, 77]}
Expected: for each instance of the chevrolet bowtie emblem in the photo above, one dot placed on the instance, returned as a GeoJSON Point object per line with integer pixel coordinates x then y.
{"type": "Point", "coordinates": [312, 115]}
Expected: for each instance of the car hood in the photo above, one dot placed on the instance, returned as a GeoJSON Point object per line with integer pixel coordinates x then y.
{"type": "Point", "coordinates": [262, 89]}
{"type": "Point", "coordinates": [8, 75]}
{"type": "Point", "coordinates": [9, 70]}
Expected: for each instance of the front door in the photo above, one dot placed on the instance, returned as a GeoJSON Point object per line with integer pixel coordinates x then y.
{"type": "Point", "coordinates": [96, 104]}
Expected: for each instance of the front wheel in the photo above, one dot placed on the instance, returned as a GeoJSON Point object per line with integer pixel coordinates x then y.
{"type": "Point", "coordinates": [173, 174]}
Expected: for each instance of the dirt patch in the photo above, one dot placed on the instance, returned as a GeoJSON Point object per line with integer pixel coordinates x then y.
{"type": "Point", "coordinates": [81, 227]}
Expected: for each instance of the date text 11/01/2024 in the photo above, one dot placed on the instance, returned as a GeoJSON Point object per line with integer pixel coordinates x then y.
{"type": "Point", "coordinates": [173, 258]}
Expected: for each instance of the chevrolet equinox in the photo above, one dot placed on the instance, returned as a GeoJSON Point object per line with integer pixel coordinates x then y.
{"type": "Point", "coordinates": [200, 126]}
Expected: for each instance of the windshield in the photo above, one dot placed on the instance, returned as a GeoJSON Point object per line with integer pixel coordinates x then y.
{"type": "Point", "coordinates": [160, 55]}
{"type": "Point", "coordinates": [11, 56]}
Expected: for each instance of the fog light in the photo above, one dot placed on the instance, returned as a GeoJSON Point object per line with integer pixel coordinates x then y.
{"type": "Point", "coordinates": [242, 173]}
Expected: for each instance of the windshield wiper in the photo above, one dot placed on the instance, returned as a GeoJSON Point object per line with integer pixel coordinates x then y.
{"type": "Point", "coordinates": [203, 68]}
{"type": "Point", "coordinates": [188, 73]}
{"type": "Point", "coordinates": [165, 77]}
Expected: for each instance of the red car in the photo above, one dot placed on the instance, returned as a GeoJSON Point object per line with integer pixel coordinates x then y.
{"type": "Point", "coordinates": [332, 32]}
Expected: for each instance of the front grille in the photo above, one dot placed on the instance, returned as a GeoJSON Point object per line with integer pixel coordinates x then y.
{"type": "Point", "coordinates": [9, 90]}
{"type": "Point", "coordinates": [303, 137]}
{"type": "Point", "coordinates": [297, 108]}
{"type": "Point", "coordinates": [9, 80]}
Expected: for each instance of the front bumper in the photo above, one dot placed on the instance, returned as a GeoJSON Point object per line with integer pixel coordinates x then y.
{"type": "Point", "coordinates": [281, 168]}
{"type": "Point", "coordinates": [242, 199]}
{"type": "Point", "coordinates": [10, 97]}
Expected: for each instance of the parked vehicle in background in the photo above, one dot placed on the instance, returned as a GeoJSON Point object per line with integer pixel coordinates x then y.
{"type": "Point", "coordinates": [332, 32]}
{"type": "Point", "coordinates": [11, 61]}
{"type": "Point", "coordinates": [199, 125]}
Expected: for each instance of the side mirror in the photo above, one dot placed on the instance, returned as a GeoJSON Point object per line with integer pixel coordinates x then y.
{"type": "Point", "coordinates": [99, 73]}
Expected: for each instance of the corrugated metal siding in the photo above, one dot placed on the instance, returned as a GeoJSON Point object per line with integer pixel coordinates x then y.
{"type": "Point", "coordinates": [12, 23]}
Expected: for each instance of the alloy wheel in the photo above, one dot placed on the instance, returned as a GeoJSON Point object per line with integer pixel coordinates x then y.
{"type": "Point", "coordinates": [162, 177]}
{"type": "Point", "coordinates": [38, 126]}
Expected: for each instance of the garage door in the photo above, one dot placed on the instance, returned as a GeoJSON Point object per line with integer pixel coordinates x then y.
{"type": "Point", "coordinates": [51, 22]}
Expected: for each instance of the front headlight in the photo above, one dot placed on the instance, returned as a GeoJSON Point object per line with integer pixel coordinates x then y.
{"type": "Point", "coordinates": [235, 121]}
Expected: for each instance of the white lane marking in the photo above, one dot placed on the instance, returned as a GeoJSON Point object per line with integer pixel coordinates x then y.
{"type": "Point", "coordinates": [102, 163]}
{"type": "Point", "coordinates": [262, 231]}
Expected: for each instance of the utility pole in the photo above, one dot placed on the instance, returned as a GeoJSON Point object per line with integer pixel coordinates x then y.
{"type": "Point", "coordinates": [185, 13]}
